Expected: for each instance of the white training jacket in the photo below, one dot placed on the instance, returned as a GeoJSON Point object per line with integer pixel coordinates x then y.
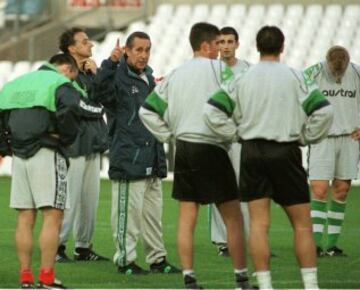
{"type": "Point", "coordinates": [344, 97]}
{"type": "Point", "coordinates": [174, 109]}
{"type": "Point", "coordinates": [269, 101]}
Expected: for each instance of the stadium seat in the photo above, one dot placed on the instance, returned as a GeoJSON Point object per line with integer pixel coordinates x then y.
{"type": "Point", "coordinates": [6, 67]}
{"type": "Point", "coordinates": [137, 26]}
{"type": "Point", "coordinates": [2, 81]}
{"type": "Point", "coordinates": [256, 10]}
{"type": "Point", "coordinates": [333, 11]}
{"type": "Point", "coordinates": [21, 67]}
{"type": "Point", "coordinates": [314, 11]}
{"type": "Point", "coordinates": [218, 10]}
{"type": "Point", "coordinates": [275, 11]}
{"type": "Point", "coordinates": [165, 10]}
{"type": "Point", "coordinates": [355, 55]}
{"type": "Point", "coordinates": [183, 11]}
{"type": "Point", "coordinates": [2, 14]}
{"type": "Point", "coordinates": [35, 66]}
{"type": "Point", "coordinates": [295, 11]}
{"type": "Point", "coordinates": [218, 15]}
{"type": "Point", "coordinates": [352, 11]}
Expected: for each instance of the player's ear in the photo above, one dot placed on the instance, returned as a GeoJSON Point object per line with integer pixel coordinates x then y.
{"type": "Point", "coordinates": [282, 48]}
{"type": "Point", "coordinates": [205, 47]}
{"type": "Point", "coordinates": [72, 49]}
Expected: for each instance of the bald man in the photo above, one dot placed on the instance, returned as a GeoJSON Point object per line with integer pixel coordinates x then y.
{"type": "Point", "coordinates": [336, 157]}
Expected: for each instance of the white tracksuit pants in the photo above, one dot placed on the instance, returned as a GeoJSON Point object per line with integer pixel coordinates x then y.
{"type": "Point", "coordinates": [84, 188]}
{"type": "Point", "coordinates": [136, 213]}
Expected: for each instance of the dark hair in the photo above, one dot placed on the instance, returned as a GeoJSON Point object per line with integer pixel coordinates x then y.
{"type": "Point", "coordinates": [270, 40]}
{"type": "Point", "coordinates": [139, 34]}
{"type": "Point", "coordinates": [228, 30]}
{"type": "Point", "coordinates": [64, 58]}
{"type": "Point", "coordinates": [202, 32]}
{"type": "Point", "coordinates": [67, 38]}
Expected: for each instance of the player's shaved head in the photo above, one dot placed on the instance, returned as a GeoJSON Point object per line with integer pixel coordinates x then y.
{"type": "Point", "coordinates": [338, 59]}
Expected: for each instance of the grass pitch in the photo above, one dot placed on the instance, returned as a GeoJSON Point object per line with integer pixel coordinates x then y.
{"type": "Point", "coordinates": [213, 272]}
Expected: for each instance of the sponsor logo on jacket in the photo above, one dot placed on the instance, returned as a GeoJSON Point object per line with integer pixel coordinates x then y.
{"type": "Point", "coordinates": [134, 90]}
{"type": "Point", "coordinates": [340, 93]}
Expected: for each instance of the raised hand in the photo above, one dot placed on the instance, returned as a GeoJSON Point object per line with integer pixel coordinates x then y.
{"type": "Point", "coordinates": [117, 52]}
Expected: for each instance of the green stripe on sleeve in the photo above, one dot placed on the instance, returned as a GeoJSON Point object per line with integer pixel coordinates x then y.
{"type": "Point", "coordinates": [156, 103]}
{"type": "Point", "coordinates": [314, 101]}
{"type": "Point", "coordinates": [224, 101]}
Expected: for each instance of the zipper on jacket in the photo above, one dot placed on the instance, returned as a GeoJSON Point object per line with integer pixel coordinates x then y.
{"type": "Point", "coordinates": [132, 118]}
{"type": "Point", "coordinates": [136, 156]}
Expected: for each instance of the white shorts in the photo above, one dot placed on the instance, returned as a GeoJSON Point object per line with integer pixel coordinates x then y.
{"type": "Point", "coordinates": [39, 181]}
{"type": "Point", "coordinates": [334, 157]}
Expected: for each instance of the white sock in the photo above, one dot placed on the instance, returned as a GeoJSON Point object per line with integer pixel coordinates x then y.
{"type": "Point", "coordinates": [240, 271]}
{"type": "Point", "coordinates": [241, 279]}
{"type": "Point", "coordinates": [264, 280]}
{"type": "Point", "coordinates": [189, 272]}
{"type": "Point", "coordinates": [309, 276]}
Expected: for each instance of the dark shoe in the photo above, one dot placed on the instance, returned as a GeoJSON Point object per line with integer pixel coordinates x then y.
{"type": "Point", "coordinates": [56, 285]}
{"type": "Point", "coordinates": [223, 251]}
{"type": "Point", "coordinates": [319, 252]}
{"type": "Point", "coordinates": [248, 287]}
{"type": "Point", "coordinates": [87, 254]}
{"type": "Point", "coordinates": [164, 267]}
{"type": "Point", "coordinates": [191, 283]}
{"type": "Point", "coordinates": [27, 285]}
{"type": "Point", "coordinates": [242, 282]}
{"type": "Point", "coordinates": [61, 256]}
{"type": "Point", "coordinates": [272, 255]}
{"type": "Point", "coordinates": [132, 269]}
{"type": "Point", "coordinates": [335, 252]}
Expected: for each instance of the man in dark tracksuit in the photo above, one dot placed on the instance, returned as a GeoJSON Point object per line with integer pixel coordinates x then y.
{"type": "Point", "coordinates": [84, 173]}
{"type": "Point", "coordinates": [137, 159]}
{"type": "Point", "coordinates": [43, 112]}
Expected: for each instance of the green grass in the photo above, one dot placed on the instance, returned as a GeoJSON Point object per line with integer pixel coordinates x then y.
{"type": "Point", "coordinates": [212, 271]}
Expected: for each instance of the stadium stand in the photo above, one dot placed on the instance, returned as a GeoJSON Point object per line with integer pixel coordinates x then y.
{"type": "Point", "coordinates": [337, 25]}
{"type": "Point", "coordinates": [2, 14]}
{"type": "Point", "coordinates": [169, 28]}
{"type": "Point", "coordinates": [97, 3]}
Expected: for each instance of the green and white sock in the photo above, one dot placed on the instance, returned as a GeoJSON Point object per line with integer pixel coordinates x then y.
{"type": "Point", "coordinates": [318, 217]}
{"type": "Point", "coordinates": [335, 215]}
